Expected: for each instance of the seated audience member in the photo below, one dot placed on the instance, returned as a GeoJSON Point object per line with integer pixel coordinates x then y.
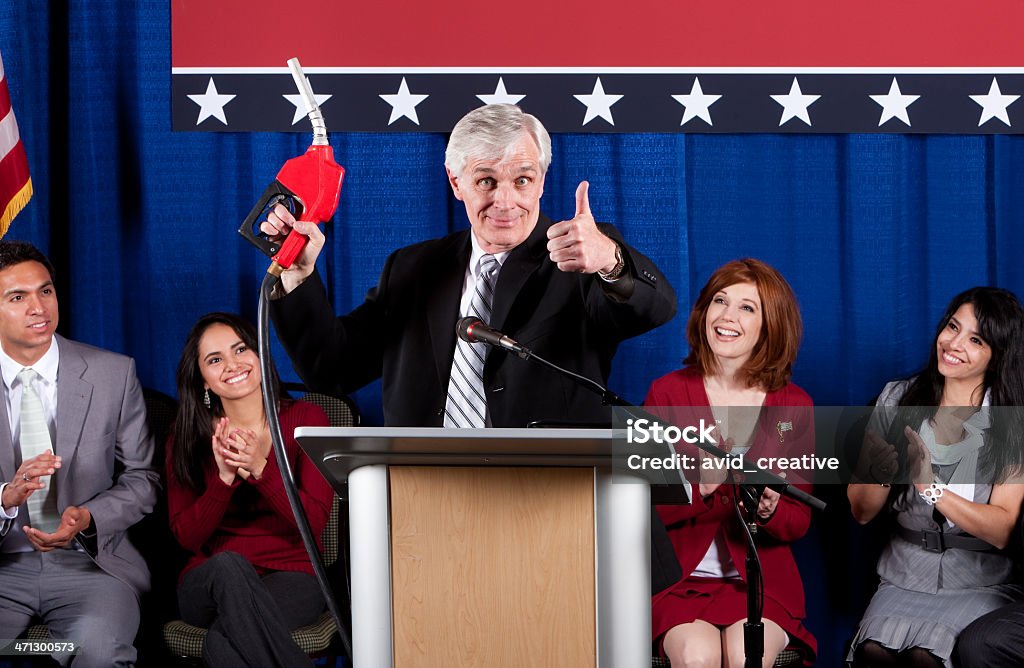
{"type": "Point", "coordinates": [249, 580]}
{"type": "Point", "coordinates": [743, 333]}
{"type": "Point", "coordinates": [943, 566]}
{"type": "Point", "coordinates": [75, 453]}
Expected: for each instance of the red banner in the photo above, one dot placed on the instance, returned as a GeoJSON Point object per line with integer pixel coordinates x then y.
{"type": "Point", "coordinates": [599, 34]}
{"type": "Point", "coordinates": [822, 66]}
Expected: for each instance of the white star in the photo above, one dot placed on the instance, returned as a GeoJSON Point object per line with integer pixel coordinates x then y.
{"type": "Point", "coordinates": [300, 105]}
{"type": "Point", "coordinates": [211, 103]}
{"type": "Point", "coordinates": [994, 104]}
{"type": "Point", "coordinates": [894, 104]}
{"type": "Point", "coordinates": [403, 103]}
{"type": "Point", "coordinates": [697, 104]}
{"type": "Point", "coordinates": [500, 96]}
{"type": "Point", "coordinates": [598, 103]}
{"type": "Point", "coordinates": [795, 104]}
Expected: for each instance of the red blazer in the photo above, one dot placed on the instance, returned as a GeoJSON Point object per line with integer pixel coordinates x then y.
{"type": "Point", "coordinates": [784, 431]}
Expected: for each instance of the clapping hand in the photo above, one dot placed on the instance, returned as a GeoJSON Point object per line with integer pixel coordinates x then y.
{"type": "Point", "coordinates": [878, 461]}
{"type": "Point", "coordinates": [222, 450]}
{"type": "Point", "coordinates": [72, 520]}
{"type": "Point", "coordinates": [26, 479]}
{"type": "Point", "coordinates": [714, 469]}
{"type": "Point", "coordinates": [768, 502]}
{"type": "Point", "coordinates": [919, 460]}
{"type": "Point", "coordinates": [246, 453]}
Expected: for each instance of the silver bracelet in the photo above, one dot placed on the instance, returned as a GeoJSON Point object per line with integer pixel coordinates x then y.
{"type": "Point", "coordinates": [932, 493]}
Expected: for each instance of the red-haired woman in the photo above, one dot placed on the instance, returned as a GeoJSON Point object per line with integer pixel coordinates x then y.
{"type": "Point", "coordinates": [743, 333]}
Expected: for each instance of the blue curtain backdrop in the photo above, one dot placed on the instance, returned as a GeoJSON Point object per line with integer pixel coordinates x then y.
{"type": "Point", "coordinates": [875, 232]}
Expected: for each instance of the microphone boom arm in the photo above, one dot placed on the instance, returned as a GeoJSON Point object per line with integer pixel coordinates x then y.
{"type": "Point", "coordinates": [475, 330]}
{"type": "Point", "coordinates": [608, 398]}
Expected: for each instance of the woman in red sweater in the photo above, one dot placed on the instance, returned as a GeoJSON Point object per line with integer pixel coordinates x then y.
{"type": "Point", "coordinates": [249, 580]}
{"type": "Point", "coordinates": [743, 333]}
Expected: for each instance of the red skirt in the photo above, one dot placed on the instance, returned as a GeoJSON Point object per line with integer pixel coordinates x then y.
{"type": "Point", "coordinates": [722, 603]}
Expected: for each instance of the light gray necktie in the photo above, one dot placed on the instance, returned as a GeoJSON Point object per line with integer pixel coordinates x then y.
{"type": "Point", "coordinates": [467, 406]}
{"type": "Point", "coordinates": [35, 440]}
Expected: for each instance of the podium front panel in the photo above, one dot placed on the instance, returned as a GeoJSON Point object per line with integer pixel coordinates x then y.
{"type": "Point", "coordinates": [492, 547]}
{"type": "Point", "coordinates": [492, 567]}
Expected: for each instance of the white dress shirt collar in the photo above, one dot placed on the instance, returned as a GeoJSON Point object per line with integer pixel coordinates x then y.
{"type": "Point", "coordinates": [477, 253]}
{"type": "Point", "coordinates": [45, 366]}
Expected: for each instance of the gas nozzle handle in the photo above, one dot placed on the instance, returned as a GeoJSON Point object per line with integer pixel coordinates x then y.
{"type": "Point", "coordinates": [276, 193]}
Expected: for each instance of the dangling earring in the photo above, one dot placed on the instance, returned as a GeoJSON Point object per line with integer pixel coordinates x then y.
{"type": "Point", "coordinates": [206, 397]}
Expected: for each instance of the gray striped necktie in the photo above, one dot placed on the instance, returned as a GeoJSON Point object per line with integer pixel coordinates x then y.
{"type": "Point", "coordinates": [34, 440]}
{"type": "Point", "coordinates": [467, 406]}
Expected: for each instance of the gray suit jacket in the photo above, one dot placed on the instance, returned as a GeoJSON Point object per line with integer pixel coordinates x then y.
{"type": "Point", "coordinates": [107, 452]}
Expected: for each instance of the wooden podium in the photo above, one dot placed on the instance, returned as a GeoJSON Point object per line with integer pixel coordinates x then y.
{"type": "Point", "coordinates": [491, 547]}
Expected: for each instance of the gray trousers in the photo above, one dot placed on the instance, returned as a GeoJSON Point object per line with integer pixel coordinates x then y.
{"type": "Point", "coordinates": [248, 618]}
{"type": "Point", "coordinates": [76, 599]}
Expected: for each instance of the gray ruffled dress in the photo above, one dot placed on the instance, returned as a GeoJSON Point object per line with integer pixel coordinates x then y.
{"type": "Point", "coordinates": [925, 598]}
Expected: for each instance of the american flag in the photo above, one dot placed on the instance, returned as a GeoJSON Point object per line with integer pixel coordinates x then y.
{"type": "Point", "coordinates": [15, 183]}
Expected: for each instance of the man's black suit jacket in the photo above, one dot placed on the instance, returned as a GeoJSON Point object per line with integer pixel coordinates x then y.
{"type": "Point", "coordinates": [405, 331]}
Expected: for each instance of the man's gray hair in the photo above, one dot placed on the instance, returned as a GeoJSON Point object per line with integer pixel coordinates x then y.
{"type": "Point", "coordinates": [492, 132]}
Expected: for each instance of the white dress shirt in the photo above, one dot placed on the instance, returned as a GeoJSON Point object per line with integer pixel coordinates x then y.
{"type": "Point", "coordinates": [473, 274]}
{"type": "Point", "coordinates": [46, 388]}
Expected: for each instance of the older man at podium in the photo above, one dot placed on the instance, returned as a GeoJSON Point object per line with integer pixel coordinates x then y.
{"type": "Point", "coordinates": [571, 291]}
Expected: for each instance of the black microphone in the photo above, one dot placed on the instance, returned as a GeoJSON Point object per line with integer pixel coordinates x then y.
{"type": "Point", "coordinates": [474, 330]}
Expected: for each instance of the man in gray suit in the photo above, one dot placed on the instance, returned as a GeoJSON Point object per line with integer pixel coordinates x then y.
{"type": "Point", "coordinates": [76, 454]}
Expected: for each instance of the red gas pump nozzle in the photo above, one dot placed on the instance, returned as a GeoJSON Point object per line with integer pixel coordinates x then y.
{"type": "Point", "coordinates": [309, 185]}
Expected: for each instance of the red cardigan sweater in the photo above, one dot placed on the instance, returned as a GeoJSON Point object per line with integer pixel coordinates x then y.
{"type": "Point", "coordinates": [692, 528]}
{"type": "Point", "coordinates": [253, 517]}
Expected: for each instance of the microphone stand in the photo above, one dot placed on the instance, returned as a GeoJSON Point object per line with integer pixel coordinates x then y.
{"type": "Point", "coordinates": [608, 398]}
{"type": "Point", "coordinates": [753, 628]}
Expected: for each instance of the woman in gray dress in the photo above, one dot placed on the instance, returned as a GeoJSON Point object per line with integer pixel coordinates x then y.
{"type": "Point", "coordinates": [941, 435]}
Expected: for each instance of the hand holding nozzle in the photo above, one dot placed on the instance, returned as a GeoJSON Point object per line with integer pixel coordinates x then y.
{"type": "Point", "coordinates": [279, 225]}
